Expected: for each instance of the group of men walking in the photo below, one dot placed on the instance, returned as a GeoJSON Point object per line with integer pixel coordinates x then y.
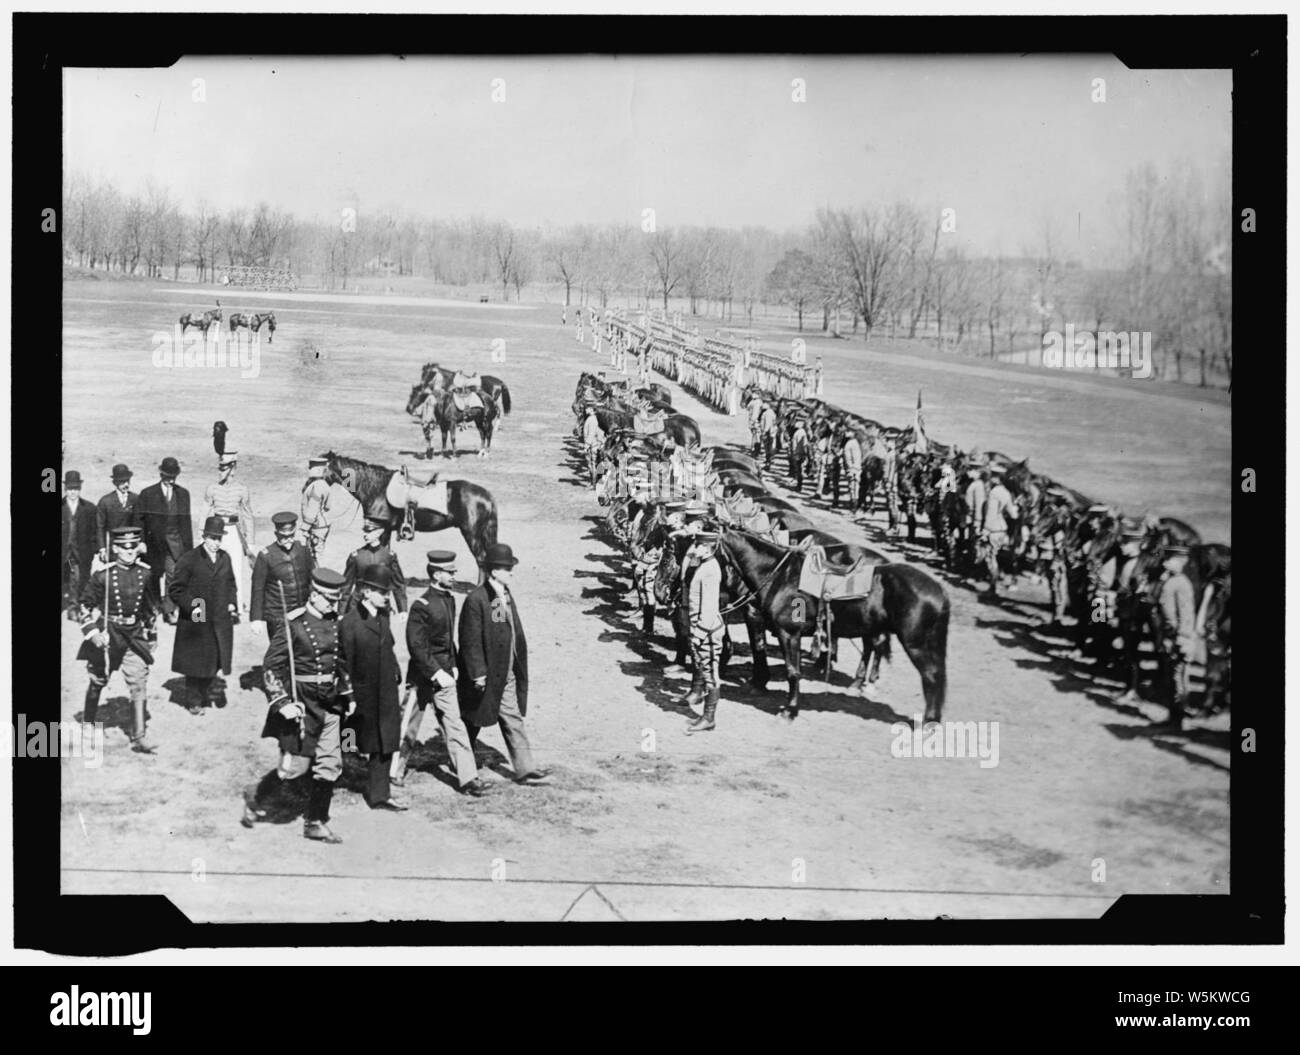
{"type": "Point", "coordinates": [329, 657]}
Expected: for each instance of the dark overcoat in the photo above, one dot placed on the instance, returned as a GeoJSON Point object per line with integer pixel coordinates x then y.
{"type": "Point", "coordinates": [163, 526]}
{"type": "Point", "coordinates": [79, 533]}
{"type": "Point", "coordinates": [366, 646]}
{"type": "Point", "coordinates": [485, 650]}
{"type": "Point", "coordinates": [203, 648]}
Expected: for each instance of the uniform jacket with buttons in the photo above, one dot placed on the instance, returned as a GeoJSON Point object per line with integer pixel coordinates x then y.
{"type": "Point", "coordinates": [324, 686]}
{"type": "Point", "coordinates": [275, 566]}
{"type": "Point", "coordinates": [431, 636]}
{"type": "Point", "coordinates": [132, 605]}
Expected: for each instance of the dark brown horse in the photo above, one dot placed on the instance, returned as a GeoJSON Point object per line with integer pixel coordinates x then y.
{"type": "Point", "coordinates": [202, 322]}
{"type": "Point", "coordinates": [449, 416]}
{"type": "Point", "coordinates": [903, 601]}
{"type": "Point", "coordinates": [254, 323]}
{"type": "Point", "coordinates": [470, 508]}
{"type": "Point", "coordinates": [436, 377]}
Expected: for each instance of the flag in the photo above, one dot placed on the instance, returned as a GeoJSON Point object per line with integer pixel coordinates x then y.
{"type": "Point", "coordinates": [922, 444]}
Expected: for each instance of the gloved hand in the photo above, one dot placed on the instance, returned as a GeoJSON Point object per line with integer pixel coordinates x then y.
{"type": "Point", "coordinates": [443, 680]}
{"type": "Point", "coordinates": [292, 711]}
{"type": "Point", "coordinates": [258, 626]}
{"type": "Point", "coordinates": [480, 683]}
{"type": "Point", "coordinates": [99, 639]}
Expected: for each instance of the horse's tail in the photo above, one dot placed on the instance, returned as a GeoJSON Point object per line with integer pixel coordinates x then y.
{"type": "Point", "coordinates": [505, 400]}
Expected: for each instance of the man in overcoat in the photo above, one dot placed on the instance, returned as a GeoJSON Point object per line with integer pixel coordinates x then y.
{"type": "Point", "coordinates": [168, 532]}
{"type": "Point", "coordinates": [493, 663]}
{"type": "Point", "coordinates": [79, 542]}
{"type": "Point", "coordinates": [366, 648]}
{"type": "Point", "coordinates": [204, 592]}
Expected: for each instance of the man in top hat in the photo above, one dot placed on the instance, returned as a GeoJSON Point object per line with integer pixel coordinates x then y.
{"type": "Point", "coordinates": [310, 693]}
{"type": "Point", "coordinates": [230, 500]}
{"type": "Point", "coordinates": [281, 577]}
{"type": "Point", "coordinates": [373, 552]}
{"type": "Point", "coordinates": [593, 438]}
{"type": "Point", "coordinates": [120, 606]}
{"type": "Point", "coordinates": [202, 587]}
{"type": "Point", "coordinates": [78, 541]}
{"type": "Point", "coordinates": [701, 587]}
{"type": "Point", "coordinates": [1177, 604]}
{"type": "Point", "coordinates": [432, 674]}
{"type": "Point", "coordinates": [118, 508]}
{"type": "Point", "coordinates": [493, 662]}
{"type": "Point", "coordinates": [315, 505]}
{"type": "Point", "coordinates": [995, 532]}
{"type": "Point", "coordinates": [168, 531]}
{"type": "Point", "coordinates": [366, 645]}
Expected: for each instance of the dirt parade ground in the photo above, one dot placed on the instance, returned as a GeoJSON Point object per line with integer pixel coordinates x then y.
{"type": "Point", "coordinates": [825, 817]}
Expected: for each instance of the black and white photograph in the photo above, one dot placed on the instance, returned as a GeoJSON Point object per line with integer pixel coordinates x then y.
{"type": "Point", "coordinates": [671, 488]}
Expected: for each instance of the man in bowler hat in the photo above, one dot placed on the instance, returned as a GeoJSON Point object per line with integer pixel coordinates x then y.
{"type": "Point", "coordinates": [204, 592]}
{"type": "Point", "coordinates": [79, 541]}
{"type": "Point", "coordinates": [494, 663]}
{"type": "Point", "coordinates": [168, 532]}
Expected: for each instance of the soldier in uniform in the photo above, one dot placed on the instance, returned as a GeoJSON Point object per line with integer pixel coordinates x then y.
{"type": "Point", "coordinates": [593, 438]}
{"type": "Point", "coordinates": [168, 531]}
{"type": "Point", "coordinates": [432, 674]}
{"type": "Point", "coordinates": [372, 553]}
{"type": "Point", "coordinates": [120, 608]}
{"type": "Point", "coordinates": [703, 581]}
{"type": "Point", "coordinates": [230, 500]}
{"type": "Point", "coordinates": [1177, 605]}
{"type": "Point", "coordinates": [767, 425]}
{"type": "Point", "coordinates": [118, 508]}
{"type": "Point", "coordinates": [203, 590]}
{"type": "Point", "coordinates": [285, 563]}
{"type": "Point", "coordinates": [851, 454]}
{"type": "Point", "coordinates": [79, 542]}
{"type": "Point", "coordinates": [999, 507]}
{"type": "Point", "coordinates": [315, 504]}
{"type": "Point", "coordinates": [309, 698]}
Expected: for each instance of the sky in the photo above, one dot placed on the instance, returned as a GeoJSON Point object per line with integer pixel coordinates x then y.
{"type": "Point", "coordinates": [1007, 142]}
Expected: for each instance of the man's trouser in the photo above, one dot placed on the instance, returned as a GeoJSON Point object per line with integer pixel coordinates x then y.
{"type": "Point", "coordinates": [592, 452]}
{"type": "Point", "coordinates": [316, 536]}
{"type": "Point", "coordinates": [1057, 585]}
{"type": "Point", "coordinates": [71, 583]}
{"type": "Point", "coordinates": [446, 707]}
{"type": "Point", "coordinates": [233, 543]}
{"type": "Point", "coordinates": [325, 765]}
{"type": "Point", "coordinates": [993, 544]}
{"type": "Point", "coordinates": [852, 484]}
{"type": "Point", "coordinates": [769, 442]}
{"type": "Point", "coordinates": [166, 567]}
{"type": "Point", "coordinates": [135, 672]}
{"type": "Point", "coordinates": [706, 650]}
{"type": "Point", "coordinates": [1173, 678]}
{"type": "Point", "coordinates": [511, 724]}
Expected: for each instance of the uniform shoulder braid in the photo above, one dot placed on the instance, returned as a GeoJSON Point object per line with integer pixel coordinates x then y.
{"type": "Point", "coordinates": [297, 613]}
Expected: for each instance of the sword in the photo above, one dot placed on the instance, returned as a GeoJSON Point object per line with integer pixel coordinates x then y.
{"type": "Point", "coordinates": [293, 676]}
{"type": "Point", "coordinates": [408, 706]}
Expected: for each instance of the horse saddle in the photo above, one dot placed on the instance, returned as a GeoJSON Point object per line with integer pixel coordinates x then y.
{"type": "Point", "coordinates": [742, 511]}
{"type": "Point", "coordinates": [467, 400]}
{"type": "Point", "coordinates": [406, 493]}
{"type": "Point", "coordinates": [829, 573]}
{"type": "Point", "coordinates": [462, 381]}
{"type": "Point", "coordinates": [648, 422]}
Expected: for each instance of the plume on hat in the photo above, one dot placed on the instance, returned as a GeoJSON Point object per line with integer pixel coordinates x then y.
{"type": "Point", "coordinates": [219, 431]}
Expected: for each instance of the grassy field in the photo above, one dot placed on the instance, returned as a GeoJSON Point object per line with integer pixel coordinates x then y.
{"type": "Point", "coordinates": [815, 820]}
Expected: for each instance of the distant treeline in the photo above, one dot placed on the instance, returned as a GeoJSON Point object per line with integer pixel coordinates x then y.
{"type": "Point", "coordinates": [881, 270]}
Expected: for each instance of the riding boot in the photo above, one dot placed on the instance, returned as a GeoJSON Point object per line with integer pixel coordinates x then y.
{"type": "Point", "coordinates": [91, 707]}
{"type": "Point", "coordinates": [648, 622]}
{"type": "Point", "coordinates": [706, 721]}
{"type": "Point", "coordinates": [697, 692]}
{"type": "Point", "coordinates": [318, 812]}
{"type": "Point", "coordinates": [139, 741]}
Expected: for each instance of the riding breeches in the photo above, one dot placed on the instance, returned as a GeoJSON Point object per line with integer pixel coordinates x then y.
{"type": "Point", "coordinates": [706, 651]}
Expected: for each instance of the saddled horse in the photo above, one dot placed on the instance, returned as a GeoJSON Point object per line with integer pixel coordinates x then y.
{"type": "Point", "coordinates": [202, 322]}
{"type": "Point", "coordinates": [254, 323]}
{"type": "Point", "coordinates": [903, 601]}
{"type": "Point", "coordinates": [470, 508]}
{"type": "Point", "coordinates": [437, 378]}
{"type": "Point", "coordinates": [449, 416]}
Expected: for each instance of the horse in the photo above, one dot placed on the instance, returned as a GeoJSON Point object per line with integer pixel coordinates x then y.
{"type": "Point", "coordinates": [254, 323]}
{"type": "Point", "coordinates": [449, 417]}
{"type": "Point", "coordinates": [470, 508]}
{"type": "Point", "coordinates": [203, 323]}
{"type": "Point", "coordinates": [903, 601]}
{"type": "Point", "coordinates": [436, 378]}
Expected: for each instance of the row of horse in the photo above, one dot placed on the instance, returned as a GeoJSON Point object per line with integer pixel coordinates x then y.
{"type": "Point", "coordinates": [446, 400]}
{"type": "Point", "coordinates": [1056, 524]}
{"type": "Point", "coordinates": [204, 320]}
{"type": "Point", "coordinates": [763, 543]}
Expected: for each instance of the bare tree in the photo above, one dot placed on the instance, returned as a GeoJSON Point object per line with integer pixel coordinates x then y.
{"type": "Point", "coordinates": [666, 252]}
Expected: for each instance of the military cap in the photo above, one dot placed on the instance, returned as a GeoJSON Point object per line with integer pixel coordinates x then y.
{"type": "Point", "coordinates": [376, 576]}
{"type": "Point", "coordinates": [706, 535]}
{"type": "Point", "coordinates": [1132, 529]}
{"type": "Point", "coordinates": [443, 559]}
{"type": "Point", "coordinates": [997, 470]}
{"type": "Point", "coordinates": [327, 581]}
{"type": "Point", "coordinates": [696, 508]}
{"type": "Point", "coordinates": [169, 467]}
{"type": "Point", "coordinates": [284, 520]}
{"type": "Point", "coordinates": [214, 527]}
{"type": "Point", "coordinates": [72, 478]}
{"type": "Point", "coordinates": [121, 472]}
{"type": "Point", "coordinates": [126, 535]}
{"type": "Point", "coordinates": [1098, 508]}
